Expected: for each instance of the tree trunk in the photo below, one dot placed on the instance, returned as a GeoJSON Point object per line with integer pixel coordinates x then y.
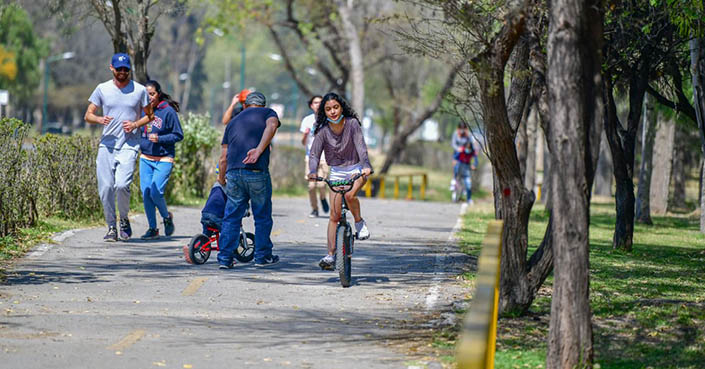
{"type": "Point", "coordinates": [603, 176]}
{"type": "Point", "coordinates": [697, 71]}
{"type": "Point", "coordinates": [513, 201]}
{"type": "Point", "coordinates": [660, 179]}
{"type": "Point", "coordinates": [678, 173]}
{"type": "Point", "coordinates": [345, 8]}
{"type": "Point", "coordinates": [531, 147]}
{"type": "Point", "coordinates": [574, 86]}
{"type": "Point", "coordinates": [623, 145]}
{"type": "Point", "coordinates": [643, 209]}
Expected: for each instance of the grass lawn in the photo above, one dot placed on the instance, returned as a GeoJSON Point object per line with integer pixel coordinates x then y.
{"type": "Point", "coordinates": [648, 306]}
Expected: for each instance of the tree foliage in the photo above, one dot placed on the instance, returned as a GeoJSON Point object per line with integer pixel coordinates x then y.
{"type": "Point", "coordinates": [22, 50]}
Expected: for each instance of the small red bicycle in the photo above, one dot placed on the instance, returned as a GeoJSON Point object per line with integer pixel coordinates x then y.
{"type": "Point", "coordinates": [199, 249]}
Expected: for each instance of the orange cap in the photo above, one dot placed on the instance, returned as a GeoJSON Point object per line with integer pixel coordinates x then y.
{"type": "Point", "coordinates": [243, 95]}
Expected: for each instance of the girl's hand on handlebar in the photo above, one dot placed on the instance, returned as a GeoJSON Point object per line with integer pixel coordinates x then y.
{"type": "Point", "coordinates": [366, 172]}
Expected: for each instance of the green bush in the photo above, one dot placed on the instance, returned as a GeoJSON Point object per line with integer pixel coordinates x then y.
{"type": "Point", "coordinates": [67, 185]}
{"type": "Point", "coordinates": [193, 157]}
{"type": "Point", "coordinates": [17, 202]}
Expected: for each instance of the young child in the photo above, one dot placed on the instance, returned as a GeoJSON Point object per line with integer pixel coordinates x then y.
{"type": "Point", "coordinates": [214, 210]}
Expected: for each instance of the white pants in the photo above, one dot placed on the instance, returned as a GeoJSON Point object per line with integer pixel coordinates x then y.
{"type": "Point", "coordinates": [114, 169]}
{"type": "Point", "coordinates": [341, 173]}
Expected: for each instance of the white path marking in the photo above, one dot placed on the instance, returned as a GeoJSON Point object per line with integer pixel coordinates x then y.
{"type": "Point", "coordinates": [433, 292]}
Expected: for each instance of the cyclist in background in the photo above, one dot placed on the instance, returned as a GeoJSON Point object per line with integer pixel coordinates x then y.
{"type": "Point", "coordinates": [338, 134]}
{"type": "Point", "coordinates": [466, 163]}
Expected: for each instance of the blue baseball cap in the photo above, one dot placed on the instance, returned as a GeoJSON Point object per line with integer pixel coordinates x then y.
{"type": "Point", "coordinates": [121, 60]}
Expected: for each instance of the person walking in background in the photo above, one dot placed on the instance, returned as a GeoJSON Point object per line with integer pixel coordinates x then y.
{"type": "Point", "coordinates": [122, 101]}
{"type": "Point", "coordinates": [244, 171]}
{"type": "Point", "coordinates": [237, 105]}
{"type": "Point", "coordinates": [466, 163]}
{"type": "Point", "coordinates": [338, 133]}
{"type": "Point", "coordinates": [157, 159]}
{"type": "Point", "coordinates": [307, 140]}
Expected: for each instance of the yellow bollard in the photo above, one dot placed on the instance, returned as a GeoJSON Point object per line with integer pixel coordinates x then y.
{"type": "Point", "coordinates": [396, 187]}
{"type": "Point", "coordinates": [424, 182]}
{"type": "Point", "coordinates": [380, 191]}
{"type": "Point", "coordinates": [476, 347]}
{"type": "Point", "coordinates": [368, 188]}
{"type": "Point", "coordinates": [410, 188]}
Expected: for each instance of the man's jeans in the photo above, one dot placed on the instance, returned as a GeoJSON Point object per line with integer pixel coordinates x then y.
{"type": "Point", "coordinates": [242, 186]}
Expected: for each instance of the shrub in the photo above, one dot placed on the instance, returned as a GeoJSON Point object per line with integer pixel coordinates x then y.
{"type": "Point", "coordinates": [66, 184]}
{"type": "Point", "coordinates": [193, 155]}
{"type": "Point", "coordinates": [17, 206]}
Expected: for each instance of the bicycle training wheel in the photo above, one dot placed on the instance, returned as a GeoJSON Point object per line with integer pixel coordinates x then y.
{"type": "Point", "coordinates": [245, 251]}
{"type": "Point", "coordinates": [343, 259]}
{"type": "Point", "coordinates": [198, 250]}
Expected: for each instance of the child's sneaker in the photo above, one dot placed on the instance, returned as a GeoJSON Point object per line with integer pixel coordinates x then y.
{"type": "Point", "coordinates": [151, 234]}
{"type": "Point", "coordinates": [362, 232]}
{"type": "Point", "coordinates": [327, 263]}
{"type": "Point", "coordinates": [169, 225]}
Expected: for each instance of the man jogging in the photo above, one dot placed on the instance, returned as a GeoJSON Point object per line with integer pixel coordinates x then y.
{"type": "Point", "coordinates": [122, 100]}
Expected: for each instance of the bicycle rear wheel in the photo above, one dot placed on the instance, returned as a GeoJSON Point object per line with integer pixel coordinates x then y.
{"type": "Point", "coordinates": [198, 249]}
{"type": "Point", "coordinates": [343, 258]}
{"type": "Point", "coordinates": [245, 251]}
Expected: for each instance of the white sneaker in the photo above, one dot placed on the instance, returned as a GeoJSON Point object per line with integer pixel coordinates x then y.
{"type": "Point", "coordinates": [362, 232]}
{"type": "Point", "coordinates": [327, 263]}
{"type": "Point", "coordinates": [470, 202]}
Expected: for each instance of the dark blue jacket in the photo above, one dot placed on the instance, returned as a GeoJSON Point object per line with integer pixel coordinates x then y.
{"type": "Point", "coordinates": [215, 205]}
{"type": "Point", "coordinates": [166, 125]}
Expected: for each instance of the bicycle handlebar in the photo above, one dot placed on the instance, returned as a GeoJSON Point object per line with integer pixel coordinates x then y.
{"type": "Point", "coordinates": [346, 184]}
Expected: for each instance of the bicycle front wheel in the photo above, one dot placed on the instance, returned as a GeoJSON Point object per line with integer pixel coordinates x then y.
{"type": "Point", "coordinates": [343, 258]}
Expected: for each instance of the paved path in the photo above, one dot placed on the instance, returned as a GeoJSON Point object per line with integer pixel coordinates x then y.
{"type": "Point", "coordinates": [83, 303]}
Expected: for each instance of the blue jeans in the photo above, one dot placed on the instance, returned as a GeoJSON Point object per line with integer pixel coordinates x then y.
{"type": "Point", "coordinates": [462, 172]}
{"type": "Point", "coordinates": [245, 186]}
{"type": "Point", "coordinates": [154, 175]}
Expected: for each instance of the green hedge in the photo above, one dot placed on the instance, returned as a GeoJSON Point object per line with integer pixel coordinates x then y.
{"type": "Point", "coordinates": [53, 176]}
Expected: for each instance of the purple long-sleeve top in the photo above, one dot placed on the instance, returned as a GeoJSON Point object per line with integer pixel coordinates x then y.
{"type": "Point", "coordinates": [347, 148]}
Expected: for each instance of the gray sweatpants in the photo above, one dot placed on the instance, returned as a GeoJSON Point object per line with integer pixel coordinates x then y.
{"type": "Point", "coordinates": [114, 169]}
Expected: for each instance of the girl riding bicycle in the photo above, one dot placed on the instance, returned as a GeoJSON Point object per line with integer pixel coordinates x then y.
{"type": "Point", "coordinates": [338, 133]}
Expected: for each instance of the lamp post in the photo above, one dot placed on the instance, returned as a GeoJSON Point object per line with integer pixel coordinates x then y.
{"type": "Point", "coordinates": [47, 61]}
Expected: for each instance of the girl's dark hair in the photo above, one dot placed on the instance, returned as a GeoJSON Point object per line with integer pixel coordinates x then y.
{"type": "Point", "coordinates": [314, 97]}
{"type": "Point", "coordinates": [322, 119]}
{"type": "Point", "coordinates": [161, 95]}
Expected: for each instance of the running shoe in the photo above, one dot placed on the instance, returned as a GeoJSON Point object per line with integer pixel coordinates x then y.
{"type": "Point", "coordinates": [362, 232]}
{"type": "Point", "coordinates": [314, 214]}
{"type": "Point", "coordinates": [227, 266]}
{"type": "Point", "coordinates": [324, 205]}
{"type": "Point", "coordinates": [151, 234]}
{"type": "Point", "coordinates": [268, 261]}
{"type": "Point", "coordinates": [112, 235]}
{"type": "Point", "coordinates": [125, 229]}
{"type": "Point", "coordinates": [327, 263]}
{"type": "Point", "coordinates": [169, 225]}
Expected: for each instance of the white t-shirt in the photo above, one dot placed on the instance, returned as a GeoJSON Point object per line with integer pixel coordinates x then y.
{"type": "Point", "coordinates": [307, 124]}
{"type": "Point", "coordinates": [122, 104]}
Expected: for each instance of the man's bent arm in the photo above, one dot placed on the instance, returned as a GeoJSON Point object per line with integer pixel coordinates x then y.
{"type": "Point", "coordinates": [223, 164]}
{"type": "Point", "coordinates": [91, 117]}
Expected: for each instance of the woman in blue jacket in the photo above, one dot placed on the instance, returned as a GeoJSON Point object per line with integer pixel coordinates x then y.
{"type": "Point", "coordinates": [157, 158]}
